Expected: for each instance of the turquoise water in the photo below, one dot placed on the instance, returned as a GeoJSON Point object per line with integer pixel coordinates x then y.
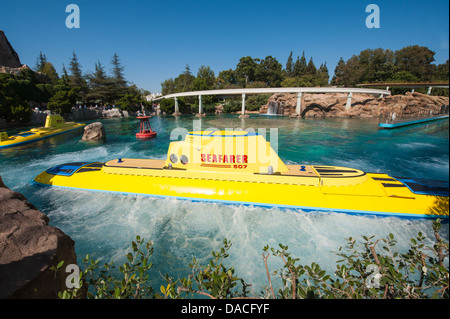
{"type": "Point", "coordinates": [103, 225]}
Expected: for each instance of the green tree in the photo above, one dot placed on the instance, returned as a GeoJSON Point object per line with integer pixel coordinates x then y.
{"type": "Point", "coordinates": [13, 106]}
{"type": "Point", "coordinates": [168, 86]}
{"type": "Point", "coordinates": [375, 65]}
{"type": "Point", "coordinates": [339, 72]}
{"type": "Point", "coordinates": [50, 71]}
{"type": "Point", "coordinates": [269, 71]}
{"type": "Point", "coordinates": [441, 72]}
{"type": "Point", "coordinates": [15, 92]}
{"type": "Point", "coordinates": [132, 100]}
{"type": "Point", "coordinates": [41, 60]}
{"type": "Point", "coordinates": [311, 68]}
{"type": "Point", "coordinates": [322, 76]}
{"type": "Point", "coordinates": [64, 79]}
{"type": "Point", "coordinates": [101, 86]}
{"type": "Point", "coordinates": [119, 82]}
{"type": "Point", "coordinates": [289, 66]}
{"type": "Point", "coordinates": [62, 101]}
{"type": "Point", "coordinates": [416, 60]}
{"type": "Point", "coordinates": [117, 72]}
{"type": "Point", "coordinates": [300, 66]}
{"type": "Point", "coordinates": [47, 68]}
{"type": "Point", "coordinates": [183, 82]}
{"type": "Point", "coordinates": [76, 77]}
{"type": "Point", "coordinates": [245, 70]}
{"type": "Point", "coordinates": [205, 79]}
{"type": "Point", "coordinates": [227, 79]}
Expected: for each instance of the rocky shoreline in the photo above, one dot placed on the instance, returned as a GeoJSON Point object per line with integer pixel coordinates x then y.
{"type": "Point", "coordinates": [313, 105]}
{"type": "Point", "coordinates": [29, 247]}
{"type": "Point", "coordinates": [81, 114]}
{"type": "Point", "coordinates": [363, 105]}
{"type": "Point", "coordinates": [77, 115]}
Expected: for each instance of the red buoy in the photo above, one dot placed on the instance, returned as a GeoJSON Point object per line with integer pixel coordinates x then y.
{"type": "Point", "coordinates": [145, 130]}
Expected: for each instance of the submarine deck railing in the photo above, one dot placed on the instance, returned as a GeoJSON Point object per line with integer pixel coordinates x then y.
{"type": "Point", "coordinates": [394, 120]}
{"type": "Point", "coordinates": [254, 91]}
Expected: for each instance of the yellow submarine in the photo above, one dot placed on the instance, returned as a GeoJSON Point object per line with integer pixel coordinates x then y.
{"type": "Point", "coordinates": [54, 125]}
{"type": "Point", "coordinates": [241, 168]}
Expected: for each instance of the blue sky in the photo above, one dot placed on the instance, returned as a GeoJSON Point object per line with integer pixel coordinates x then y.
{"type": "Point", "coordinates": [156, 39]}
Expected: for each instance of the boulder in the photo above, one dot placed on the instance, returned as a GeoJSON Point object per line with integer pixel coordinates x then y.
{"type": "Point", "coordinates": [29, 247]}
{"type": "Point", "coordinates": [94, 132]}
{"type": "Point", "coordinates": [114, 112]}
{"type": "Point", "coordinates": [218, 109]}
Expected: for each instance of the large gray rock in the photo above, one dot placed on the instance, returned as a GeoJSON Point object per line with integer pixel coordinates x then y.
{"type": "Point", "coordinates": [94, 132]}
{"type": "Point", "coordinates": [29, 247]}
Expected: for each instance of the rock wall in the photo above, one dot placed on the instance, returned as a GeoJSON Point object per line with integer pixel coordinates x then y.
{"type": "Point", "coordinates": [77, 114]}
{"type": "Point", "coordinates": [363, 105]}
{"type": "Point", "coordinates": [28, 249]}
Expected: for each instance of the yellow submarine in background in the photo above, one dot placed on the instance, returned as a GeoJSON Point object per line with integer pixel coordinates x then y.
{"type": "Point", "coordinates": [241, 168]}
{"type": "Point", "coordinates": [54, 125]}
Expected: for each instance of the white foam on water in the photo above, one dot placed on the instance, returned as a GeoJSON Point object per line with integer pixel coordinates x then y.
{"type": "Point", "coordinates": [415, 145]}
{"type": "Point", "coordinates": [105, 224]}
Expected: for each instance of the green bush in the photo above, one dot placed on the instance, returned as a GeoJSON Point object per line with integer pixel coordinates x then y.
{"type": "Point", "coordinates": [62, 101]}
{"type": "Point", "coordinates": [232, 106]}
{"type": "Point", "coordinates": [369, 269]}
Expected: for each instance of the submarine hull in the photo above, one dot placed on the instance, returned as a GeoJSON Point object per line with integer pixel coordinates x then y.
{"type": "Point", "coordinates": [309, 188]}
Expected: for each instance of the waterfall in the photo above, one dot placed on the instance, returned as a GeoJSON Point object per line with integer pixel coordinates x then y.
{"type": "Point", "coordinates": [272, 109]}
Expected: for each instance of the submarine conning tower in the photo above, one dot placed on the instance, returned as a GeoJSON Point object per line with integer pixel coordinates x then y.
{"type": "Point", "coordinates": [53, 120]}
{"type": "Point", "coordinates": [227, 151]}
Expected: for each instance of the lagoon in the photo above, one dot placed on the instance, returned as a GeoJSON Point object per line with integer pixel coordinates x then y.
{"type": "Point", "coordinates": [104, 225]}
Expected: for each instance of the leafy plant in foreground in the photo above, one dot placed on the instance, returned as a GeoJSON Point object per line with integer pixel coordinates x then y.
{"type": "Point", "coordinates": [132, 282]}
{"type": "Point", "coordinates": [213, 280]}
{"type": "Point", "coordinates": [368, 269]}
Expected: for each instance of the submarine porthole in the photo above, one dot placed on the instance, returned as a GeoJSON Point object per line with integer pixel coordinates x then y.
{"type": "Point", "coordinates": [173, 158]}
{"type": "Point", "coordinates": [184, 159]}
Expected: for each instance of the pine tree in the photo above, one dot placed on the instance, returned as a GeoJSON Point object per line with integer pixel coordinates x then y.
{"type": "Point", "coordinates": [303, 64]}
{"type": "Point", "coordinates": [101, 85]}
{"type": "Point", "coordinates": [297, 67]}
{"type": "Point", "coordinates": [119, 83]}
{"type": "Point", "coordinates": [64, 79]}
{"type": "Point", "coordinates": [40, 62]}
{"type": "Point", "coordinates": [322, 76]}
{"type": "Point", "coordinates": [339, 72]}
{"type": "Point", "coordinates": [311, 68]}
{"type": "Point", "coordinates": [45, 67]}
{"type": "Point", "coordinates": [76, 77]}
{"type": "Point", "coordinates": [323, 68]}
{"type": "Point", "coordinates": [50, 71]}
{"type": "Point", "coordinates": [117, 72]}
{"type": "Point", "coordinates": [289, 66]}
{"type": "Point", "coordinates": [187, 70]}
{"type": "Point", "coordinates": [300, 66]}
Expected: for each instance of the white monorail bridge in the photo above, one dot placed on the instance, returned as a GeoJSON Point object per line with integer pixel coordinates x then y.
{"type": "Point", "coordinates": [253, 91]}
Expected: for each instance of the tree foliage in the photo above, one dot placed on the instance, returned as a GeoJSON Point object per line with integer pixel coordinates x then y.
{"type": "Point", "coordinates": [63, 92]}
{"type": "Point", "coordinates": [62, 101]}
{"type": "Point", "coordinates": [409, 64]}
